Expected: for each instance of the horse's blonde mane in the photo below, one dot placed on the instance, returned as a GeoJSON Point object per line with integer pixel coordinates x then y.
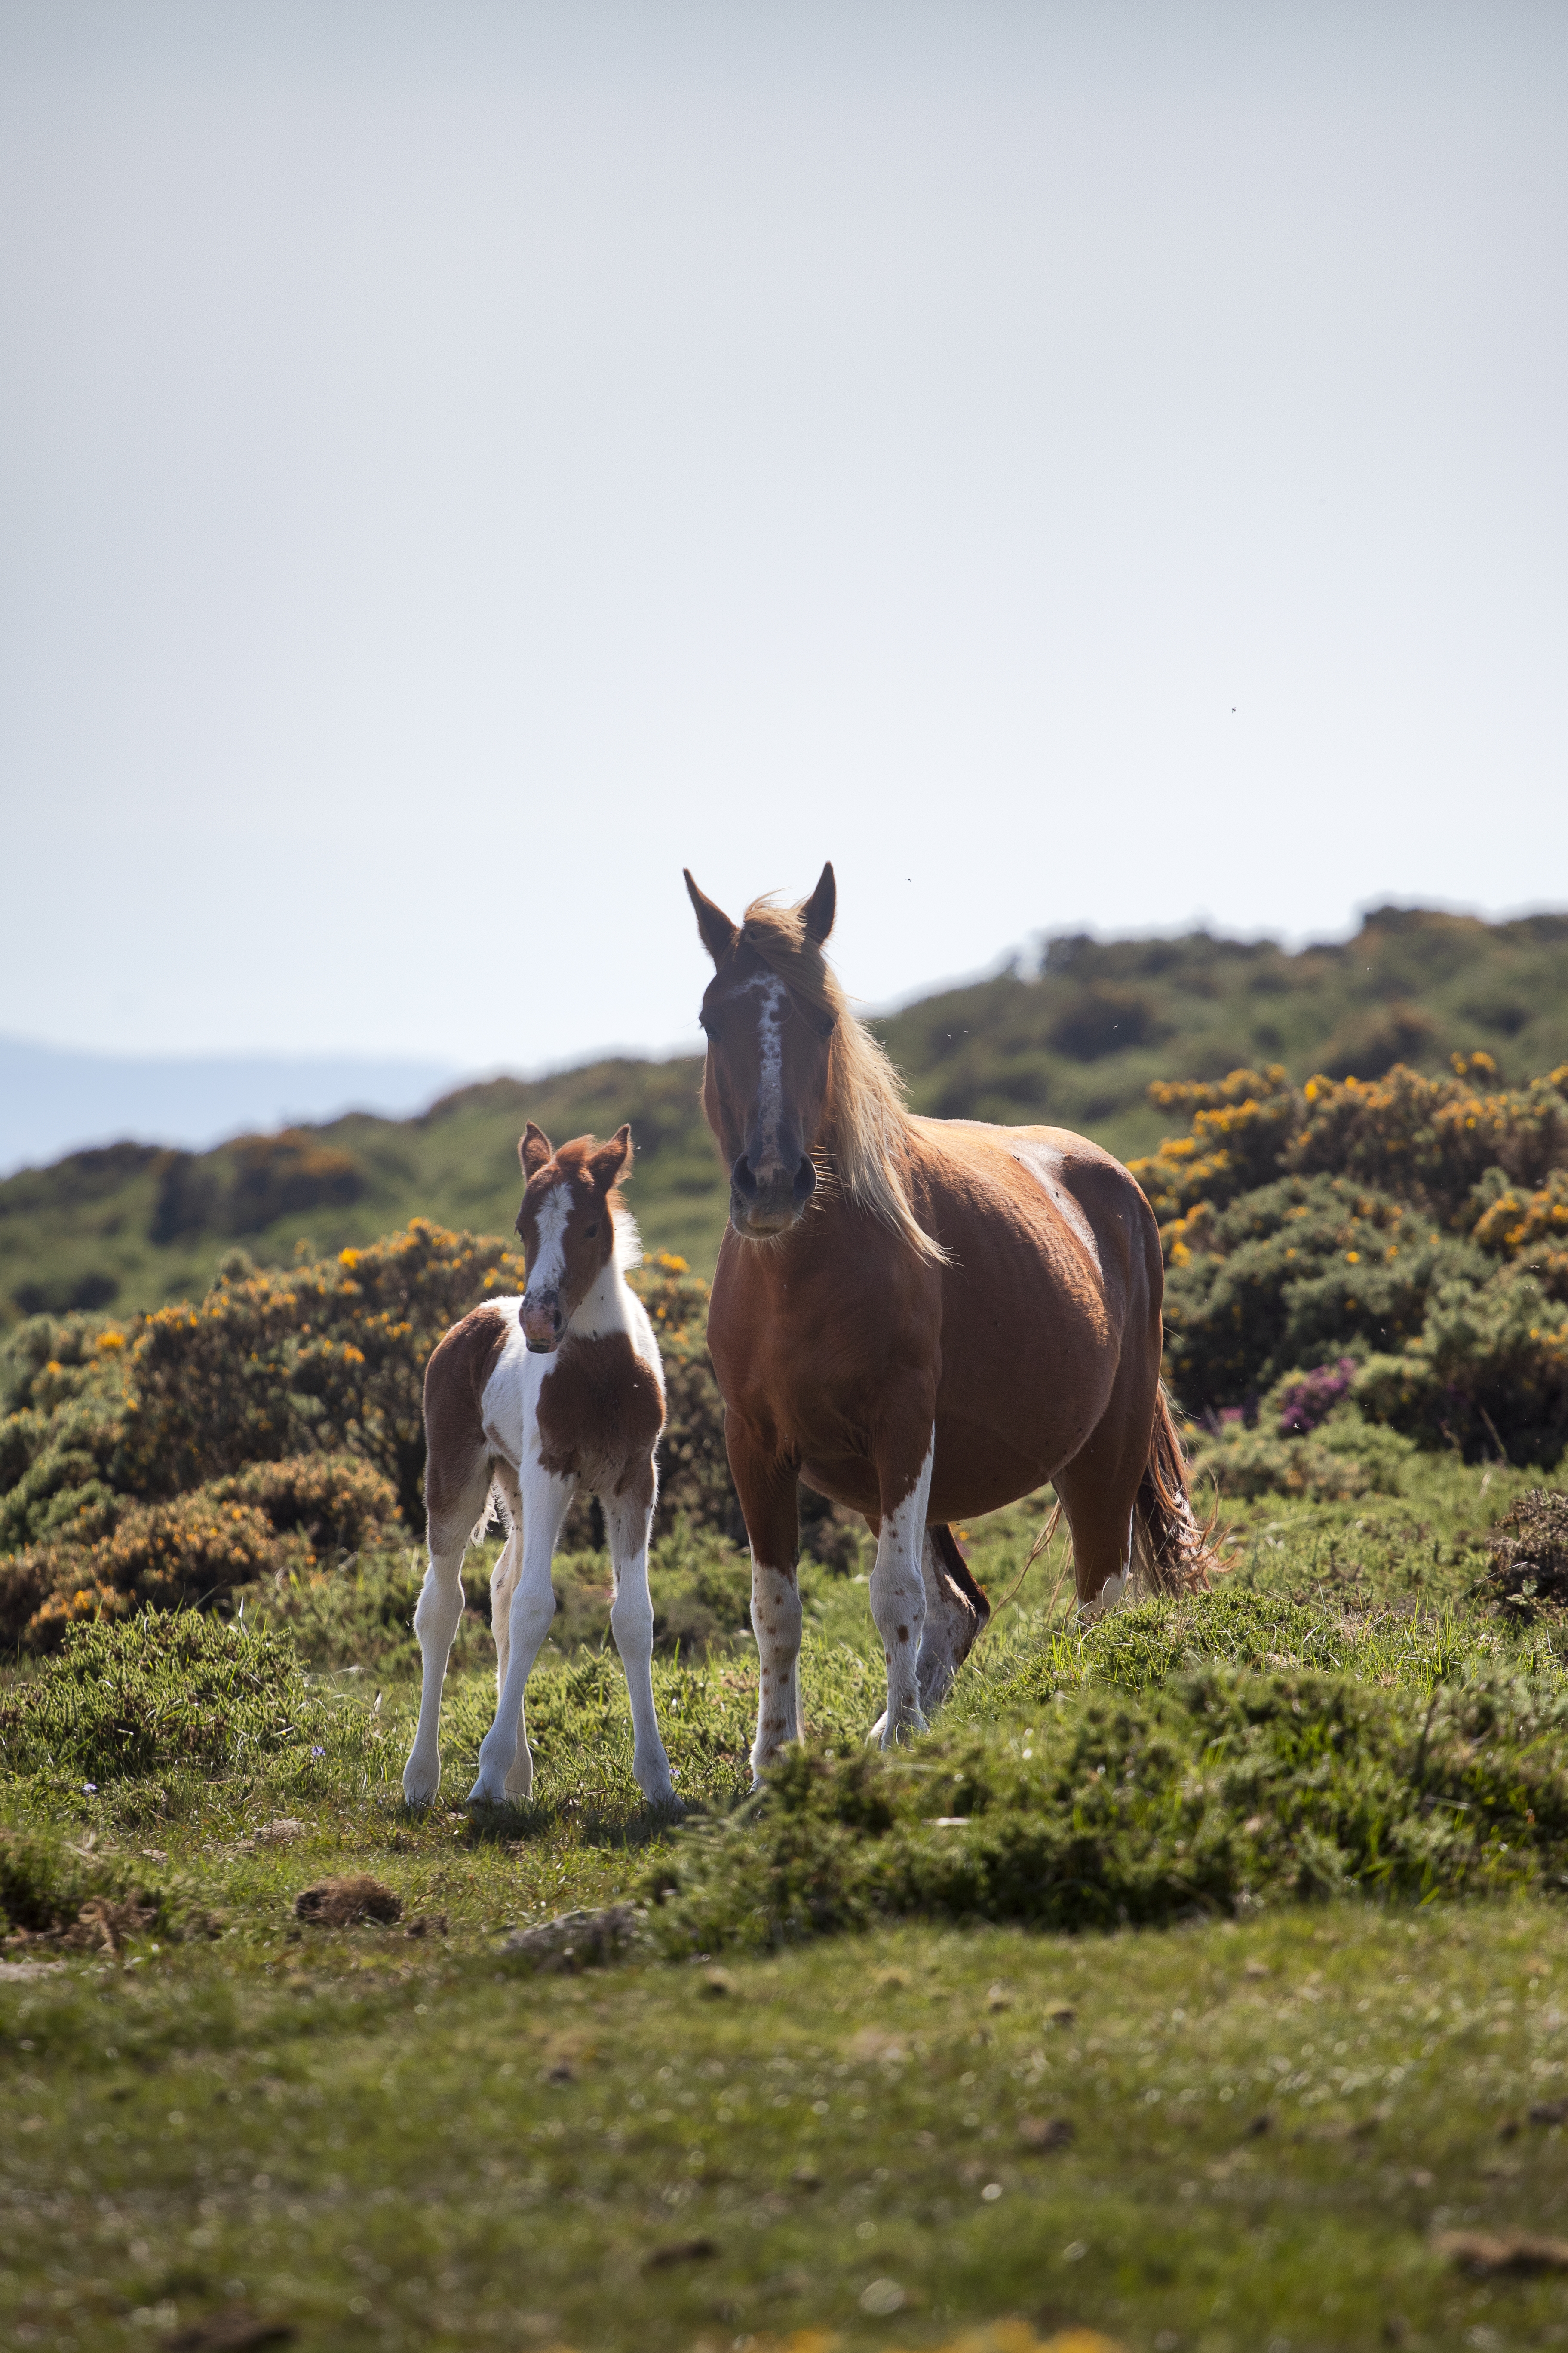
{"type": "Point", "coordinates": [865, 1124]}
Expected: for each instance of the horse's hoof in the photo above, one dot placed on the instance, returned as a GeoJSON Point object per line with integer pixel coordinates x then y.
{"type": "Point", "coordinates": [665, 1804]}
{"type": "Point", "coordinates": [419, 1789]}
{"type": "Point", "coordinates": [482, 1794]}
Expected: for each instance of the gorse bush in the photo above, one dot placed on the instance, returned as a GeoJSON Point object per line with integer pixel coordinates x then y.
{"type": "Point", "coordinates": [272, 1519]}
{"type": "Point", "coordinates": [275, 1426]}
{"type": "Point", "coordinates": [1413, 1229]}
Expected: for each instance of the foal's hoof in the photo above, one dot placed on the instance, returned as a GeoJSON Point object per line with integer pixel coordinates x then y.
{"type": "Point", "coordinates": [487, 1793]}
{"type": "Point", "coordinates": [666, 1805]}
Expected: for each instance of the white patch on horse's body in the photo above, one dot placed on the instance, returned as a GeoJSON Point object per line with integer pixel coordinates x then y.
{"type": "Point", "coordinates": [1043, 1163]}
{"type": "Point", "coordinates": [899, 1604]}
{"type": "Point", "coordinates": [535, 1501]}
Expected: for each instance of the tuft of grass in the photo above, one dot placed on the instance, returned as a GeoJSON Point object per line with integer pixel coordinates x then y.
{"type": "Point", "coordinates": [168, 1691]}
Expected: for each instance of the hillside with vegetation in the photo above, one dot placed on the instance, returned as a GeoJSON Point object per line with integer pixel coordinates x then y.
{"type": "Point", "coordinates": [1077, 1043]}
{"type": "Point", "coordinates": [904, 2033]}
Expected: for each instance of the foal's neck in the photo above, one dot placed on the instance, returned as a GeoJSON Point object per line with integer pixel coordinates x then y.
{"type": "Point", "coordinates": [605, 1308]}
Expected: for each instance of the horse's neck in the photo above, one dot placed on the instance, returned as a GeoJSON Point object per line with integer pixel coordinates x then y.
{"type": "Point", "coordinates": [607, 1308]}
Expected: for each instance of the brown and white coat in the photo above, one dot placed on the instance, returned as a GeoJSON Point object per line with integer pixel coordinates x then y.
{"type": "Point", "coordinates": [530, 1400]}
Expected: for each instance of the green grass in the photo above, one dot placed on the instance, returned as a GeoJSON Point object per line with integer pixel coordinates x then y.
{"type": "Point", "coordinates": [386, 2138]}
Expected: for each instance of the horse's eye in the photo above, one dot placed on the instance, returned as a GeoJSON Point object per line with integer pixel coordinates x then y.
{"type": "Point", "coordinates": [589, 1232]}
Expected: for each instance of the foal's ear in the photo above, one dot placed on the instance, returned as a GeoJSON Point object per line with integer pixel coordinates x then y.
{"type": "Point", "coordinates": [534, 1151]}
{"type": "Point", "coordinates": [818, 911]}
{"type": "Point", "coordinates": [719, 933]}
{"type": "Point", "coordinates": [611, 1160]}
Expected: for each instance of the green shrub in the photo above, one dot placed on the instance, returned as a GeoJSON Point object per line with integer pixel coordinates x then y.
{"type": "Point", "coordinates": [154, 1692]}
{"type": "Point", "coordinates": [1223, 1791]}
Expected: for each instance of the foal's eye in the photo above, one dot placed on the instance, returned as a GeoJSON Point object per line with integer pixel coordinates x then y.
{"type": "Point", "coordinates": [589, 1232]}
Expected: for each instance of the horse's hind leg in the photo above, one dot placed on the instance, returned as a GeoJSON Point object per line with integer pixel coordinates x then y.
{"type": "Point", "coordinates": [456, 1493]}
{"type": "Point", "coordinates": [628, 1519]}
{"type": "Point", "coordinates": [955, 1611]}
{"type": "Point", "coordinates": [1099, 1487]}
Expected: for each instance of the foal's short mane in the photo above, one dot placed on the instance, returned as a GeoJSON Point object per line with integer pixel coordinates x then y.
{"type": "Point", "coordinates": [865, 1124]}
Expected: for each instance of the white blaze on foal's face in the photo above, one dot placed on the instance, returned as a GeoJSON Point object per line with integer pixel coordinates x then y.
{"type": "Point", "coordinates": [566, 1226]}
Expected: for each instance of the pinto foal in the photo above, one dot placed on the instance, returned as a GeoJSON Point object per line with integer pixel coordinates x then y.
{"type": "Point", "coordinates": [530, 1400]}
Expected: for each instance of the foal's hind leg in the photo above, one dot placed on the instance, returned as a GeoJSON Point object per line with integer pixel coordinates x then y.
{"type": "Point", "coordinates": [628, 1519]}
{"type": "Point", "coordinates": [504, 1585]}
{"type": "Point", "coordinates": [456, 1498]}
{"type": "Point", "coordinates": [506, 1765]}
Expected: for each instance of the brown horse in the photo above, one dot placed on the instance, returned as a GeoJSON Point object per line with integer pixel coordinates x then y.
{"type": "Point", "coordinates": [923, 1319]}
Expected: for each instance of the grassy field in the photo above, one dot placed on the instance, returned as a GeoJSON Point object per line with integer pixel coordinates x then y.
{"type": "Point", "coordinates": [1270, 2121]}
{"type": "Point", "coordinates": [1075, 1043]}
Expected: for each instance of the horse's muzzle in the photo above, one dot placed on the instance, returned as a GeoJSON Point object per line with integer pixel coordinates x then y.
{"type": "Point", "coordinates": [761, 1206]}
{"type": "Point", "coordinates": [543, 1322]}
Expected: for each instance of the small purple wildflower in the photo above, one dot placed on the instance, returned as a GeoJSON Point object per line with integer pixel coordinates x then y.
{"type": "Point", "coordinates": [90, 1788]}
{"type": "Point", "coordinates": [1314, 1398]}
{"type": "Point", "coordinates": [318, 1752]}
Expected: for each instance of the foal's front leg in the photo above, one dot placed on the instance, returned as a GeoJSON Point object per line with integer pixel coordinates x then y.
{"type": "Point", "coordinates": [506, 1762]}
{"type": "Point", "coordinates": [898, 1586]}
{"type": "Point", "coordinates": [628, 1519]}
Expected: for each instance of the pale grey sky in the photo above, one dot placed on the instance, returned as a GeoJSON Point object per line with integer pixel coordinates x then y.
{"type": "Point", "coordinates": [1096, 465]}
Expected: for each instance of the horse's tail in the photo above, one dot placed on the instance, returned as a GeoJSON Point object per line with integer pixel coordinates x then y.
{"type": "Point", "coordinates": [1174, 1553]}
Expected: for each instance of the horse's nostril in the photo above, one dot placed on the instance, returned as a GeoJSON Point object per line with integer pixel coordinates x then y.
{"type": "Point", "coordinates": [742, 1178]}
{"type": "Point", "coordinates": [804, 1184]}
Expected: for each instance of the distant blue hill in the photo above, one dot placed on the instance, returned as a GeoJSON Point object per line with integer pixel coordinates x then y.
{"type": "Point", "coordinates": [53, 1100]}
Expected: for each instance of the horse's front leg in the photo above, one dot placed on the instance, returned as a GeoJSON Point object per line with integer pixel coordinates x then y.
{"type": "Point", "coordinates": [628, 1519]}
{"type": "Point", "coordinates": [898, 1586]}
{"type": "Point", "coordinates": [768, 1487]}
{"type": "Point", "coordinates": [506, 1762]}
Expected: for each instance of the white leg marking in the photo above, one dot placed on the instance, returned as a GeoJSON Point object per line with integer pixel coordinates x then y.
{"type": "Point", "coordinates": [506, 1764]}
{"type": "Point", "coordinates": [627, 1527]}
{"type": "Point", "coordinates": [899, 1604]}
{"type": "Point", "coordinates": [775, 1622]}
{"type": "Point", "coordinates": [504, 1585]}
{"type": "Point", "coordinates": [436, 1620]}
{"type": "Point", "coordinates": [1116, 1590]}
{"type": "Point", "coordinates": [949, 1630]}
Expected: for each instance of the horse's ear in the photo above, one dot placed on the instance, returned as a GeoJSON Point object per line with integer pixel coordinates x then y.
{"type": "Point", "coordinates": [818, 911]}
{"type": "Point", "coordinates": [612, 1160]}
{"type": "Point", "coordinates": [719, 933]}
{"type": "Point", "coordinates": [534, 1151]}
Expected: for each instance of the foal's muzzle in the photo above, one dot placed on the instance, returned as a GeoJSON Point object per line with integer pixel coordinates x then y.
{"type": "Point", "coordinates": [769, 1205]}
{"type": "Point", "coordinates": [543, 1322]}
